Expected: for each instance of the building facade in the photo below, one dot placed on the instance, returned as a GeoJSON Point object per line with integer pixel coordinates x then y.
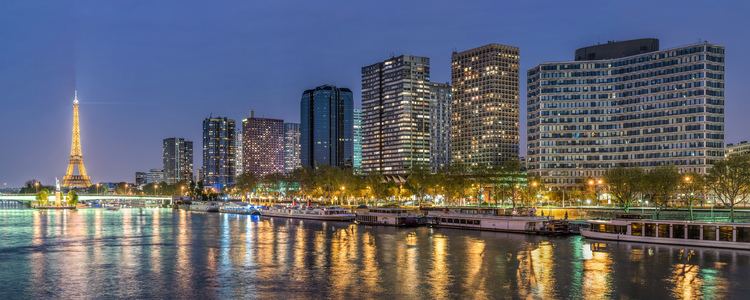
{"type": "Point", "coordinates": [664, 107]}
{"type": "Point", "coordinates": [263, 146]}
{"type": "Point", "coordinates": [218, 152]}
{"type": "Point", "coordinates": [291, 147]}
{"type": "Point", "coordinates": [357, 141]}
{"type": "Point", "coordinates": [738, 148]}
{"type": "Point", "coordinates": [395, 115]}
{"type": "Point", "coordinates": [485, 106]}
{"type": "Point", "coordinates": [326, 127]}
{"type": "Point", "coordinates": [440, 125]}
{"type": "Point", "coordinates": [238, 154]}
{"type": "Point", "coordinates": [152, 176]}
{"type": "Point", "coordinates": [177, 159]}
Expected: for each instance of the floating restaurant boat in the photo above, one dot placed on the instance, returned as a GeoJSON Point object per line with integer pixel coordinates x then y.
{"type": "Point", "coordinates": [685, 233]}
{"type": "Point", "coordinates": [492, 219]}
{"type": "Point", "coordinates": [240, 208]}
{"type": "Point", "coordinates": [389, 216]}
{"type": "Point", "coordinates": [204, 206]}
{"type": "Point", "coordinates": [329, 213]}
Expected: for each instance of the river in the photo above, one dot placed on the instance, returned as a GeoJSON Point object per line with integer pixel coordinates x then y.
{"type": "Point", "coordinates": [161, 253]}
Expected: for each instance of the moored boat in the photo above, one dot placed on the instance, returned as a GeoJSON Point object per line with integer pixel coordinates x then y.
{"type": "Point", "coordinates": [389, 216]}
{"type": "Point", "coordinates": [674, 232]}
{"type": "Point", "coordinates": [239, 208]}
{"type": "Point", "coordinates": [209, 206]}
{"type": "Point", "coordinates": [329, 213]}
{"type": "Point", "coordinates": [491, 219]}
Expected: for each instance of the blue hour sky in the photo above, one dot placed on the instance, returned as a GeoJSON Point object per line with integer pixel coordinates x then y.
{"type": "Point", "coordinates": [146, 70]}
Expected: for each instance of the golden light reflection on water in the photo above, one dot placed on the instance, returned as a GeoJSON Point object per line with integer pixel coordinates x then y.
{"type": "Point", "coordinates": [440, 274]}
{"type": "Point", "coordinates": [475, 279]}
{"type": "Point", "coordinates": [343, 251]}
{"type": "Point", "coordinates": [183, 261]}
{"type": "Point", "coordinates": [155, 252]}
{"type": "Point", "coordinates": [536, 271]}
{"type": "Point", "coordinates": [300, 251]}
{"type": "Point", "coordinates": [370, 272]}
{"type": "Point", "coordinates": [236, 256]}
{"type": "Point", "coordinates": [597, 272]}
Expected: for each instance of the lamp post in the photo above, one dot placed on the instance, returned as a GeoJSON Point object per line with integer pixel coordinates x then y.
{"type": "Point", "coordinates": [595, 184]}
{"type": "Point", "coordinates": [36, 186]}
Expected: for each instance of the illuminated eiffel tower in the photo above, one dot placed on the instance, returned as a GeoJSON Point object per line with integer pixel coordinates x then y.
{"type": "Point", "coordinates": [76, 156]}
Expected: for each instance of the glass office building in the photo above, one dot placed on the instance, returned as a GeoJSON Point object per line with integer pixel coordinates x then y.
{"type": "Point", "coordinates": [396, 115]}
{"type": "Point", "coordinates": [326, 127]}
{"type": "Point", "coordinates": [485, 106]}
{"type": "Point", "coordinates": [357, 141]}
{"type": "Point", "coordinates": [291, 147]}
{"type": "Point", "coordinates": [218, 152]}
{"type": "Point", "coordinates": [440, 125]}
{"type": "Point", "coordinates": [643, 108]}
{"type": "Point", "coordinates": [177, 158]}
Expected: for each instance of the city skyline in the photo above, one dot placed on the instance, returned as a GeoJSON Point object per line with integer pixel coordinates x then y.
{"type": "Point", "coordinates": [115, 100]}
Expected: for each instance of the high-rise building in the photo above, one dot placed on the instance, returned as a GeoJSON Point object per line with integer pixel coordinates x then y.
{"type": "Point", "coordinates": [738, 148]}
{"type": "Point", "coordinates": [357, 141]}
{"type": "Point", "coordinates": [440, 125]}
{"type": "Point", "coordinates": [485, 106]}
{"type": "Point", "coordinates": [177, 157]}
{"type": "Point", "coordinates": [326, 127]}
{"type": "Point", "coordinates": [395, 115]}
{"type": "Point", "coordinates": [635, 109]}
{"type": "Point", "coordinates": [238, 154]}
{"type": "Point", "coordinates": [152, 176]}
{"type": "Point", "coordinates": [263, 145]}
{"type": "Point", "coordinates": [218, 152]}
{"type": "Point", "coordinates": [140, 178]}
{"type": "Point", "coordinates": [291, 147]}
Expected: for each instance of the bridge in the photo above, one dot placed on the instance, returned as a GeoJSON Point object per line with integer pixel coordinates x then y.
{"type": "Point", "coordinates": [18, 200]}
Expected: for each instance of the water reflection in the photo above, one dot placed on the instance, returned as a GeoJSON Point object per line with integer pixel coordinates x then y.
{"type": "Point", "coordinates": [597, 269]}
{"type": "Point", "coordinates": [166, 254]}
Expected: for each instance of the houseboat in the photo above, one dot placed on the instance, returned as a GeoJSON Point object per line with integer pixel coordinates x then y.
{"type": "Point", "coordinates": [329, 213]}
{"type": "Point", "coordinates": [209, 206]}
{"type": "Point", "coordinates": [685, 233]}
{"type": "Point", "coordinates": [491, 219]}
{"type": "Point", "coordinates": [390, 216]}
{"type": "Point", "coordinates": [239, 208]}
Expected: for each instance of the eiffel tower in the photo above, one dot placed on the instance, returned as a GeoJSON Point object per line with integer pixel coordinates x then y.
{"type": "Point", "coordinates": [76, 156]}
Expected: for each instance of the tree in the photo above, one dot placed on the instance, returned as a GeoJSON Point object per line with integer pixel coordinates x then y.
{"type": "Point", "coordinates": [418, 182]}
{"type": "Point", "coordinates": [660, 184]}
{"type": "Point", "coordinates": [532, 189]}
{"type": "Point", "coordinates": [72, 198]}
{"type": "Point", "coordinates": [42, 197]}
{"type": "Point", "coordinates": [624, 185]}
{"type": "Point", "coordinates": [729, 180]}
{"type": "Point", "coordinates": [693, 185]}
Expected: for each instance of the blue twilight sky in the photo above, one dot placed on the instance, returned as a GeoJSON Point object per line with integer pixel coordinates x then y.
{"type": "Point", "coordinates": [148, 69]}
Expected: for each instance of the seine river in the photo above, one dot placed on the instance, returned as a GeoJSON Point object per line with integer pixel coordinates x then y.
{"type": "Point", "coordinates": [160, 253]}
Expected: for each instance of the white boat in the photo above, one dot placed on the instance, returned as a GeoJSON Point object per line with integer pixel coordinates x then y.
{"type": "Point", "coordinates": [209, 206]}
{"type": "Point", "coordinates": [494, 220]}
{"type": "Point", "coordinates": [239, 208]}
{"type": "Point", "coordinates": [685, 233]}
{"type": "Point", "coordinates": [330, 213]}
{"type": "Point", "coordinates": [389, 216]}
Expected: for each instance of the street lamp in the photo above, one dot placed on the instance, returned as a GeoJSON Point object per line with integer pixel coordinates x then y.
{"type": "Point", "coordinates": [36, 186]}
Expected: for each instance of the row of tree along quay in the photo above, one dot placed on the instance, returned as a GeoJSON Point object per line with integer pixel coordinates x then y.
{"type": "Point", "coordinates": [726, 185]}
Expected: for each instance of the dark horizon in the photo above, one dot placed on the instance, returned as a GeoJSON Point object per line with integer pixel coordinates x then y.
{"type": "Point", "coordinates": [147, 71]}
